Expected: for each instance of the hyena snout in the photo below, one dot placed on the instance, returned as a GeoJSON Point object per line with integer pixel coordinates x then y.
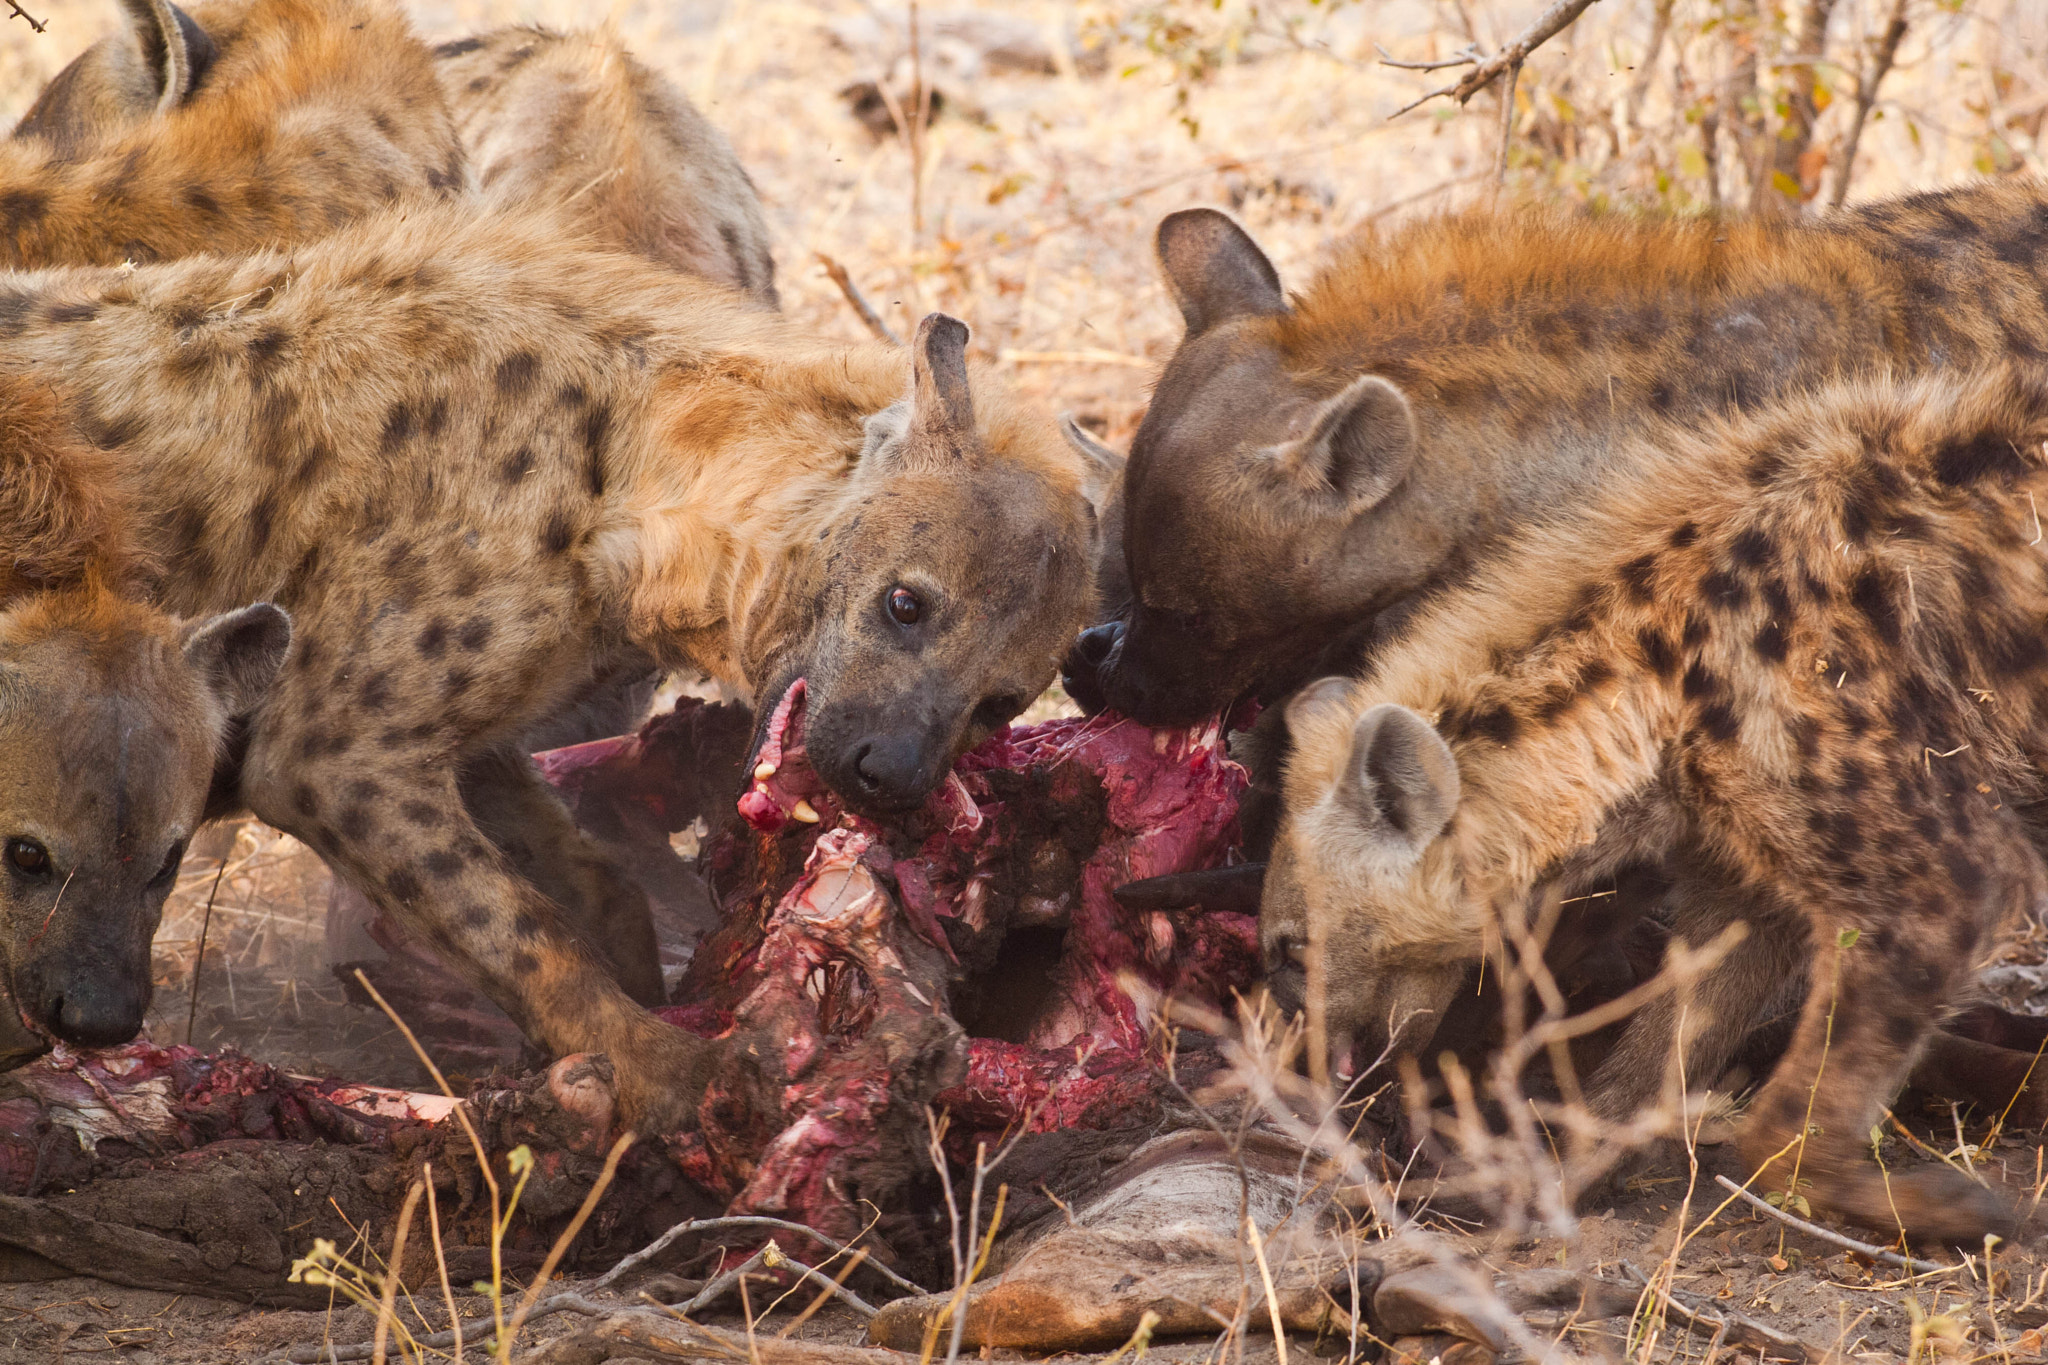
{"type": "Point", "coordinates": [85, 999]}
{"type": "Point", "coordinates": [895, 771]}
{"type": "Point", "coordinates": [1093, 655]}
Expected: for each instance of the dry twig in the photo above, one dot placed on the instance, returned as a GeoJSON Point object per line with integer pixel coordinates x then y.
{"type": "Point", "coordinates": [1726, 1323]}
{"type": "Point", "coordinates": [1849, 1244]}
{"type": "Point", "coordinates": [1875, 68]}
{"type": "Point", "coordinates": [870, 319]}
{"type": "Point", "coordinates": [20, 13]}
{"type": "Point", "coordinates": [1547, 26]}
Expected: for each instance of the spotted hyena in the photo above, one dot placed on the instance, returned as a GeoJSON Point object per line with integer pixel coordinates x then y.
{"type": "Point", "coordinates": [1815, 640]}
{"type": "Point", "coordinates": [484, 469]}
{"type": "Point", "coordinates": [241, 124]}
{"type": "Point", "coordinates": [111, 717]}
{"type": "Point", "coordinates": [575, 121]}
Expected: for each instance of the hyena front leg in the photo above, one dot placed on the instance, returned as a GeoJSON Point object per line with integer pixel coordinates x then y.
{"type": "Point", "coordinates": [520, 814]}
{"type": "Point", "coordinates": [1890, 958]}
{"type": "Point", "coordinates": [1687, 1038]}
{"type": "Point", "coordinates": [395, 827]}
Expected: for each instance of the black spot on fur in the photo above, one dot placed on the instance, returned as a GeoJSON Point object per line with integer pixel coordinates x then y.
{"type": "Point", "coordinates": [1718, 721]}
{"type": "Point", "coordinates": [556, 537]}
{"type": "Point", "coordinates": [526, 925]}
{"type": "Point", "coordinates": [475, 917]}
{"type": "Point", "coordinates": [1657, 651]}
{"type": "Point", "coordinates": [517, 465]}
{"type": "Point", "coordinates": [433, 640]}
{"type": "Point", "coordinates": [1724, 590]}
{"type": "Point", "coordinates": [1638, 577]}
{"type": "Point", "coordinates": [201, 199]}
{"type": "Point", "coordinates": [402, 885]}
{"type": "Point", "coordinates": [21, 210]}
{"type": "Point", "coordinates": [425, 814]}
{"type": "Point", "coordinates": [458, 47]}
{"type": "Point", "coordinates": [1497, 724]}
{"type": "Point", "coordinates": [442, 864]}
{"type": "Point", "coordinates": [524, 963]}
{"type": "Point", "coordinates": [1769, 643]}
{"type": "Point", "coordinates": [457, 682]}
{"type": "Point", "coordinates": [73, 312]}
{"type": "Point", "coordinates": [596, 430]}
{"type": "Point", "coordinates": [1752, 548]}
{"type": "Point", "coordinates": [305, 800]}
{"type": "Point", "coordinates": [1700, 683]}
{"type": "Point", "coordinates": [1964, 872]}
{"type": "Point", "coordinates": [1870, 596]}
{"type": "Point", "coordinates": [1985, 455]}
{"type": "Point", "coordinates": [264, 349]}
{"type": "Point", "coordinates": [399, 424]}
{"type": "Point", "coordinates": [356, 823]}
{"type": "Point", "coordinates": [1685, 534]}
{"type": "Point", "coordinates": [516, 371]}
{"type": "Point", "coordinates": [475, 633]}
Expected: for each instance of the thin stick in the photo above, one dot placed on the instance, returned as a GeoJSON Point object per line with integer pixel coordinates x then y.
{"type": "Point", "coordinates": [386, 1315]}
{"type": "Point", "coordinates": [561, 1246]}
{"type": "Point", "coordinates": [1881, 58]}
{"type": "Point", "coordinates": [441, 1260]}
{"type": "Point", "coordinates": [1507, 123]}
{"type": "Point", "coordinates": [1745, 1331]}
{"type": "Point", "coordinates": [199, 963]}
{"type": "Point", "coordinates": [1815, 1230]}
{"type": "Point", "coordinates": [1546, 27]}
{"type": "Point", "coordinates": [20, 13]}
{"type": "Point", "coordinates": [870, 319]}
{"type": "Point", "coordinates": [1251, 1229]}
{"type": "Point", "coordinates": [831, 1287]}
{"type": "Point", "coordinates": [683, 1229]}
{"type": "Point", "coordinates": [918, 118]}
{"type": "Point", "coordinates": [838, 1284]}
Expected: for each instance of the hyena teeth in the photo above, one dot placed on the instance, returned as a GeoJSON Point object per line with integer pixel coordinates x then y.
{"type": "Point", "coordinates": [764, 771]}
{"type": "Point", "coordinates": [804, 811]}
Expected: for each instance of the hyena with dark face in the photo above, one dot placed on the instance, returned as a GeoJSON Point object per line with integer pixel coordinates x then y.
{"type": "Point", "coordinates": [574, 121]}
{"type": "Point", "coordinates": [111, 717]}
{"type": "Point", "coordinates": [243, 124]}
{"type": "Point", "coordinates": [483, 467]}
{"type": "Point", "coordinates": [1273, 506]}
{"type": "Point", "coordinates": [1815, 641]}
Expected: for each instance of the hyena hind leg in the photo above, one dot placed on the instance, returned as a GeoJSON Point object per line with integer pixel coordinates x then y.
{"type": "Point", "coordinates": [518, 812]}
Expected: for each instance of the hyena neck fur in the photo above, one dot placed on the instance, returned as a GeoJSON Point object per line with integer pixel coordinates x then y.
{"type": "Point", "coordinates": [313, 113]}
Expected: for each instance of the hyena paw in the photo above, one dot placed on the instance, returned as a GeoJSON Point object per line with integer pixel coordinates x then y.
{"type": "Point", "coordinates": [1933, 1207]}
{"type": "Point", "coordinates": [661, 1074]}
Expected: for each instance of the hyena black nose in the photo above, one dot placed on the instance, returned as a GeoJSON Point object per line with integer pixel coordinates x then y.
{"type": "Point", "coordinates": [891, 771]}
{"type": "Point", "coordinates": [1081, 672]}
{"type": "Point", "coordinates": [94, 1013]}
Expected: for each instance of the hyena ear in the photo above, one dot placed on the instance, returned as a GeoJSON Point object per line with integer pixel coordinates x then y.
{"type": "Point", "coordinates": [239, 654]}
{"type": "Point", "coordinates": [941, 408]}
{"type": "Point", "coordinates": [147, 69]}
{"type": "Point", "coordinates": [1215, 270]}
{"type": "Point", "coordinates": [1105, 467]}
{"type": "Point", "coordinates": [1402, 782]}
{"type": "Point", "coordinates": [1359, 445]}
{"type": "Point", "coordinates": [175, 51]}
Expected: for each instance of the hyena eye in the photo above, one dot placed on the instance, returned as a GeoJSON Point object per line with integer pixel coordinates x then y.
{"type": "Point", "coordinates": [28, 857]}
{"type": "Point", "coordinates": [172, 862]}
{"type": "Point", "coordinates": [905, 606]}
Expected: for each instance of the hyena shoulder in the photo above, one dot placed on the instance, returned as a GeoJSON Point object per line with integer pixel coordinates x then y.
{"type": "Point", "coordinates": [573, 119]}
{"type": "Point", "coordinates": [277, 121]}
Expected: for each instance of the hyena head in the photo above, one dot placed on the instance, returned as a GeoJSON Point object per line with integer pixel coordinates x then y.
{"type": "Point", "coordinates": [111, 718]}
{"type": "Point", "coordinates": [948, 579]}
{"type": "Point", "coordinates": [150, 67]}
{"type": "Point", "coordinates": [1364, 872]}
{"type": "Point", "coordinates": [1242, 498]}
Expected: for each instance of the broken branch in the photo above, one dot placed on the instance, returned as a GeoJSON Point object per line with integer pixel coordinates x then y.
{"type": "Point", "coordinates": [872, 320]}
{"type": "Point", "coordinates": [1727, 1324]}
{"type": "Point", "coordinates": [20, 13]}
{"type": "Point", "coordinates": [1849, 1244]}
{"type": "Point", "coordinates": [1547, 26]}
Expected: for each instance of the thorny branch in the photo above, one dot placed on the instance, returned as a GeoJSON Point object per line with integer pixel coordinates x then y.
{"type": "Point", "coordinates": [1548, 24]}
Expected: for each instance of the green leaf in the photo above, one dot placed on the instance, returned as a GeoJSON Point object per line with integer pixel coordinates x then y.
{"type": "Point", "coordinates": [520, 1160]}
{"type": "Point", "coordinates": [1784, 184]}
{"type": "Point", "coordinates": [1847, 938]}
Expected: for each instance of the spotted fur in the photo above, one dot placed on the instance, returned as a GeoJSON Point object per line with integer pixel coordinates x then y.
{"type": "Point", "coordinates": [1810, 643]}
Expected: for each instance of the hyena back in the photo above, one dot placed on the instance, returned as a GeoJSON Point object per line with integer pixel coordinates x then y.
{"type": "Point", "coordinates": [247, 123]}
{"type": "Point", "coordinates": [573, 120]}
{"type": "Point", "coordinates": [1812, 642]}
{"type": "Point", "coordinates": [483, 467]}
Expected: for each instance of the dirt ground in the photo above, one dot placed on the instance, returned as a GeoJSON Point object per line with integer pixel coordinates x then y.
{"type": "Point", "coordinates": [1028, 213]}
